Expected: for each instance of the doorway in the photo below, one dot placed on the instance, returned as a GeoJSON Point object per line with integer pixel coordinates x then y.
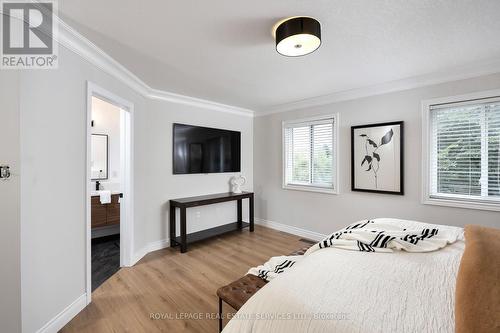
{"type": "Point", "coordinates": [109, 182]}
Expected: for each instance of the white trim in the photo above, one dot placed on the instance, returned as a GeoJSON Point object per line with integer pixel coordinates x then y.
{"type": "Point", "coordinates": [78, 44]}
{"type": "Point", "coordinates": [488, 67]}
{"type": "Point", "coordinates": [109, 97]}
{"type": "Point", "coordinates": [88, 183]}
{"type": "Point", "coordinates": [426, 145]}
{"type": "Point", "coordinates": [63, 317]}
{"type": "Point", "coordinates": [310, 188]}
{"type": "Point", "coordinates": [308, 120]}
{"type": "Point", "coordinates": [198, 102]}
{"type": "Point", "coordinates": [312, 235]}
{"type": "Point", "coordinates": [75, 42]}
{"type": "Point", "coordinates": [469, 204]}
{"type": "Point", "coordinates": [153, 246]}
{"type": "Point", "coordinates": [461, 98]}
{"type": "Point", "coordinates": [426, 197]}
{"type": "Point", "coordinates": [335, 177]}
{"type": "Point", "coordinates": [127, 180]}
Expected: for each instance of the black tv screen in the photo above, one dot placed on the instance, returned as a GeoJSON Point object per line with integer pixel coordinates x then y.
{"type": "Point", "coordinates": [205, 150]}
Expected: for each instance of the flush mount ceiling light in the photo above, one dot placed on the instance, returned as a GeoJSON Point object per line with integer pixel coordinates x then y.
{"type": "Point", "coordinates": [297, 36]}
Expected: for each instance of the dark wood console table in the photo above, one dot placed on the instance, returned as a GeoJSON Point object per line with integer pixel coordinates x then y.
{"type": "Point", "coordinates": [184, 239]}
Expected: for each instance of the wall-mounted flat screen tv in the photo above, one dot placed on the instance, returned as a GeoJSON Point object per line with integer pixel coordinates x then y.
{"type": "Point", "coordinates": [205, 150]}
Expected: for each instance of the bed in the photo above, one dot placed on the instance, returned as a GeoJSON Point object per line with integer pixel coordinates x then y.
{"type": "Point", "coordinates": [336, 290]}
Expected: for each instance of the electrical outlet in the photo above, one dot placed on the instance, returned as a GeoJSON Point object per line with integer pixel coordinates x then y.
{"type": "Point", "coordinates": [198, 214]}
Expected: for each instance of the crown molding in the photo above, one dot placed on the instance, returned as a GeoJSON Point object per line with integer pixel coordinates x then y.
{"type": "Point", "coordinates": [78, 44]}
{"type": "Point", "coordinates": [454, 74]}
{"type": "Point", "coordinates": [193, 101]}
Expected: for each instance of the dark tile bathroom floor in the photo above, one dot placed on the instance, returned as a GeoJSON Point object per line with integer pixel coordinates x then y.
{"type": "Point", "coordinates": [105, 259]}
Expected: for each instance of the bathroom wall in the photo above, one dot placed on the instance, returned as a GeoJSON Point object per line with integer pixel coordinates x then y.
{"type": "Point", "coordinates": [106, 120]}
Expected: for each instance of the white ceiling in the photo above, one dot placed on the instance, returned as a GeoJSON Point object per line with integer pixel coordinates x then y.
{"type": "Point", "coordinates": [224, 51]}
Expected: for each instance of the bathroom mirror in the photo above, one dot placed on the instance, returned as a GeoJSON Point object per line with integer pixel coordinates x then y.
{"type": "Point", "coordinates": [99, 157]}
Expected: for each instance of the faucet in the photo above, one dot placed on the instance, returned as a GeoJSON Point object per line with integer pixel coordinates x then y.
{"type": "Point", "coordinates": [97, 185]}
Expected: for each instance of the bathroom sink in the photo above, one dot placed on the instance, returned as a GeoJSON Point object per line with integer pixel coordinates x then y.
{"type": "Point", "coordinates": [95, 193]}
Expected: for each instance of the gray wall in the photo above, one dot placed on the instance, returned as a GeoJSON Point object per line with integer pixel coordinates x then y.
{"type": "Point", "coordinates": [325, 213]}
{"type": "Point", "coordinates": [53, 151]}
{"type": "Point", "coordinates": [10, 231]}
{"type": "Point", "coordinates": [157, 184]}
{"type": "Point", "coordinates": [53, 186]}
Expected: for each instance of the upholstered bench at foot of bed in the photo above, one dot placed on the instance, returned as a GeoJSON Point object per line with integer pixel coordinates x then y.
{"type": "Point", "coordinates": [301, 251]}
{"type": "Point", "coordinates": [238, 292]}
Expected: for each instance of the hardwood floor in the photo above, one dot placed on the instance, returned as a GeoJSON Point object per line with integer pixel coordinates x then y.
{"type": "Point", "coordinates": [167, 291]}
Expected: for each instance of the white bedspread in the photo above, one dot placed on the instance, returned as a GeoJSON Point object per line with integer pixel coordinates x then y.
{"type": "Point", "coordinates": [352, 291]}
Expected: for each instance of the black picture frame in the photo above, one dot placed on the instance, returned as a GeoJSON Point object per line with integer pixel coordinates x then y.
{"type": "Point", "coordinates": [401, 162]}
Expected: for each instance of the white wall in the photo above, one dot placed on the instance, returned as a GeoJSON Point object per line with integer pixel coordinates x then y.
{"type": "Point", "coordinates": [53, 151]}
{"type": "Point", "coordinates": [325, 213]}
{"type": "Point", "coordinates": [10, 231]}
{"type": "Point", "coordinates": [106, 117]}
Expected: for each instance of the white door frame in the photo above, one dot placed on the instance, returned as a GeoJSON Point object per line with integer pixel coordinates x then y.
{"type": "Point", "coordinates": [126, 174]}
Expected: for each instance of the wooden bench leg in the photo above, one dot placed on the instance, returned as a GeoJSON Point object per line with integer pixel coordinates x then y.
{"type": "Point", "coordinates": [220, 314]}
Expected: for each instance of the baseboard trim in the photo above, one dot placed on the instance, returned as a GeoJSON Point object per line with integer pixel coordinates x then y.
{"type": "Point", "coordinates": [58, 322]}
{"type": "Point", "coordinates": [316, 236]}
{"type": "Point", "coordinates": [151, 247]}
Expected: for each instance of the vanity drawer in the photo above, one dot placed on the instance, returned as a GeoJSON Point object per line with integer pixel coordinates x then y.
{"type": "Point", "coordinates": [98, 213]}
{"type": "Point", "coordinates": [105, 214]}
{"type": "Point", "coordinates": [113, 210]}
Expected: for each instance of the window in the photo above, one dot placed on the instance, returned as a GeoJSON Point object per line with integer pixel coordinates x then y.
{"type": "Point", "coordinates": [464, 153]}
{"type": "Point", "coordinates": [309, 147]}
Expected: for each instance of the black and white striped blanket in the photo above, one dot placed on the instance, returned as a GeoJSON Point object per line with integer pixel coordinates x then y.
{"type": "Point", "coordinates": [378, 235]}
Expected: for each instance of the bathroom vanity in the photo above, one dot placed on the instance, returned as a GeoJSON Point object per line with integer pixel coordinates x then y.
{"type": "Point", "coordinates": [104, 215]}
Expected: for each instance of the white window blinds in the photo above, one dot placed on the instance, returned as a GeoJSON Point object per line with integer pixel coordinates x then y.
{"type": "Point", "coordinates": [465, 151]}
{"type": "Point", "coordinates": [309, 155]}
